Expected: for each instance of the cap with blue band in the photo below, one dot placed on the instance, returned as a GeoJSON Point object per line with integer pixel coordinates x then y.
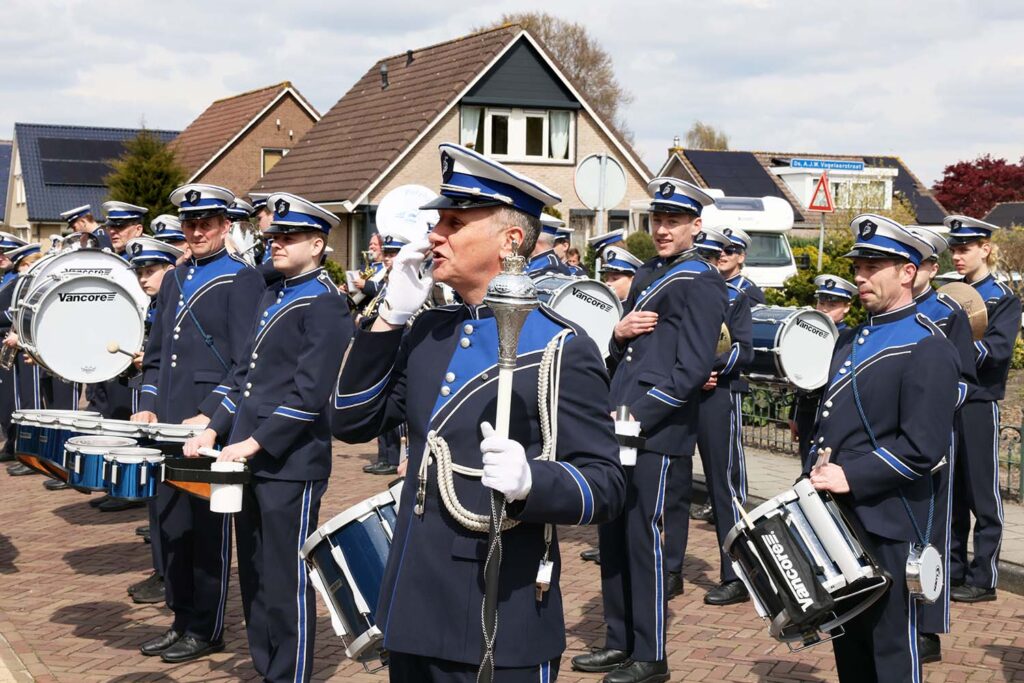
{"type": "Point", "coordinates": [295, 214]}
{"type": "Point", "coordinates": [672, 195]}
{"type": "Point", "coordinates": [78, 212]}
{"type": "Point", "coordinates": [149, 251]}
{"type": "Point", "coordinates": [964, 229]}
{"type": "Point", "coordinates": [617, 260]}
{"type": "Point", "coordinates": [123, 213]}
{"type": "Point", "coordinates": [833, 285]}
{"type": "Point", "coordinates": [880, 237]}
{"type": "Point", "coordinates": [198, 200]}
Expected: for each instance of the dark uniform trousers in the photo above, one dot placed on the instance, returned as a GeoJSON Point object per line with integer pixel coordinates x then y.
{"type": "Point", "coordinates": [411, 669]}
{"type": "Point", "coordinates": [949, 317]}
{"type": "Point", "coordinates": [182, 377]}
{"type": "Point", "coordinates": [901, 356]}
{"type": "Point", "coordinates": [440, 376]}
{"type": "Point", "coordinates": [280, 399]}
{"type": "Point", "coordinates": [7, 386]}
{"type": "Point", "coordinates": [976, 480]}
{"type": "Point", "coordinates": [389, 446]}
{"type": "Point", "coordinates": [720, 444]}
{"type": "Point", "coordinates": [658, 376]}
{"type": "Point", "coordinates": [61, 395]}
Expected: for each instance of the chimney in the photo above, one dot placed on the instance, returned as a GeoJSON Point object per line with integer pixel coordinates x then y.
{"type": "Point", "coordinates": [383, 76]}
{"type": "Point", "coordinates": [408, 57]}
{"type": "Point", "coordinates": [675, 142]}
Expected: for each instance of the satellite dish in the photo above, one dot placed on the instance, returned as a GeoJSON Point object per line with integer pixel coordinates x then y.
{"type": "Point", "coordinates": [399, 214]}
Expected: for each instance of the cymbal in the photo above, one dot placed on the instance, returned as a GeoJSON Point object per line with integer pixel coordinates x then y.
{"type": "Point", "coordinates": [724, 340]}
{"type": "Point", "coordinates": [971, 302]}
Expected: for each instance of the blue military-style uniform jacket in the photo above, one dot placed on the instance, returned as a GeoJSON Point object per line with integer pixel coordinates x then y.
{"type": "Point", "coordinates": [994, 351]}
{"type": "Point", "coordinates": [732, 362]}
{"type": "Point", "coordinates": [907, 379]}
{"type": "Point", "coordinates": [951, 318]}
{"type": "Point", "coordinates": [658, 375]}
{"type": "Point", "coordinates": [280, 391]}
{"type": "Point", "coordinates": [182, 376]}
{"type": "Point", "coordinates": [747, 286]}
{"type": "Point", "coordinates": [546, 263]}
{"type": "Point", "coordinates": [440, 376]}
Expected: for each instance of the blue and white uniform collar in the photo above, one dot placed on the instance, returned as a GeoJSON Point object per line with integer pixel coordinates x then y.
{"type": "Point", "coordinates": [892, 316]}
{"type": "Point", "coordinates": [926, 295]}
{"type": "Point", "coordinates": [302, 278]}
{"type": "Point", "coordinates": [208, 259]}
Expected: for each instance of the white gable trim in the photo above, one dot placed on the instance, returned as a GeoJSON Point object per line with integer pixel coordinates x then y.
{"type": "Point", "coordinates": [458, 98]}
{"type": "Point", "coordinates": [247, 127]}
{"type": "Point", "coordinates": [664, 168]}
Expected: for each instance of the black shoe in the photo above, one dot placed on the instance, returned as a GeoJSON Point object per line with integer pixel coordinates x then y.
{"type": "Point", "coordinates": [55, 485]}
{"type": "Point", "coordinates": [96, 502]}
{"type": "Point", "coordinates": [640, 672]}
{"type": "Point", "coordinates": [150, 591]}
{"type": "Point", "coordinates": [728, 593]}
{"type": "Point", "coordinates": [188, 648]}
{"type": "Point", "coordinates": [701, 513]}
{"type": "Point", "coordinates": [381, 468]}
{"type": "Point", "coordinates": [119, 504]}
{"type": "Point", "coordinates": [142, 530]}
{"type": "Point", "coordinates": [145, 582]}
{"type": "Point", "coordinates": [20, 470]}
{"type": "Point", "coordinates": [147, 539]}
{"type": "Point", "coordinates": [151, 648]}
{"type": "Point", "coordinates": [929, 648]}
{"type": "Point", "coordinates": [972, 594]}
{"type": "Point", "coordinates": [592, 555]}
{"type": "Point", "coordinates": [600, 660]}
{"type": "Point", "coordinates": [6, 457]}
{"type": "Point", "coordinates": [673, 584]}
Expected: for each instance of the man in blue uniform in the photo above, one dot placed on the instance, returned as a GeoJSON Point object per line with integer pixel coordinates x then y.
{"type": "Point", "coordinates": [80, 219]}
{"type": "Point", "coordinates": [544, 261]}
{"type": "Point", "coordinates": [662, 352]}
{"type": "Point", "coordinates": [976, 477]}
{"type": "Point", "coordinates": [719, 442]}
{"type": "Point", "coordinates": [618, 268]}
{"type": "Point", "coordinates": [731, 261]}
{"type": "Point", "coordinates": [275, 417]}
{"type": "Point", "coordinates": [8, 242]}
{"type": "Point", "coordinates": [24, 386]}
{"type": "Point", "coordinates": [205, 309]}
{"type": "Point", "coordinates": [833, 296]}
{"type": "Point", "coordinates": [440, 376]}
{"type": "Point", "coordinates": [885, 419]}
{"type": "Point", "coordinates": [562, 242]}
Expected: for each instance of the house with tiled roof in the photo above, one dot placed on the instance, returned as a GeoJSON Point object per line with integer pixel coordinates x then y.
{"type": "Point", "coordinates": [238, 139]}
{"type": "Point", "coordinates": [498, 91]}
{"type": "Point", "coordinates": [5, 171]}
{"type": "Point", "coordinates": [55, 168]}
{"type": "Point", "coordinates": [863, 182]}
{"type": "Point", "coordinates": [1003, 214]}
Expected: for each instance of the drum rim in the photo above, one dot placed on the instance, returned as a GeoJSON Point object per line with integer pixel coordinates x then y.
{"type": "Point", "coordinates": [784, 325]}
{"type": "Point", "coordinates": [354, 513]}
{"type": "Point", "coordinates": [149, 452]}
{"type": "Point", "coordinates": [76, 443]}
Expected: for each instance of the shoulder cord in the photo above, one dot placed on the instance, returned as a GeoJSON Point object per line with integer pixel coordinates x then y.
{"type": "Point", "coordinates": [195, 321]}
{"type": "Point", "coordinates": [547, 401]}
{"type": "Point", "coordinates": [925, 538]}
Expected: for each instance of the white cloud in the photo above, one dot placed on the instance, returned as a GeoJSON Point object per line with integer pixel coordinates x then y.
{"type": "Point", "coordinates": [934, 82]}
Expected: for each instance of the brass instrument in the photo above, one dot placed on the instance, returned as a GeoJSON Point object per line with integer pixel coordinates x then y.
{"type": "Point", "coordinates": [367, 270]}
{"type": "Point", "coordinates": [8, 355]}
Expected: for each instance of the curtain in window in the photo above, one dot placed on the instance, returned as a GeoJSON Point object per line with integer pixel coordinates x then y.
{"type": "Point", "coordinates": [471, 125]}
{"type": "Point", "coordinates": [558, 124]}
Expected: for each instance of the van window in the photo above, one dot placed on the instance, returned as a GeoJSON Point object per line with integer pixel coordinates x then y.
{"type": "Point", "coordinates": [768, 249]}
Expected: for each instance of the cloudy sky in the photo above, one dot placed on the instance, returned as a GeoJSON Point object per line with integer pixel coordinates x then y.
{"type": "Point", "coordinates": [932, 81]}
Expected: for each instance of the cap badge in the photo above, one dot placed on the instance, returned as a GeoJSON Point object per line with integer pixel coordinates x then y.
{"type": "Point", "coordinates": [830, 284]}
{"type": "Point", "coordinates": [867, 229]}
{"type": "Point", "coordinates": [700, 237]}
{"type": "Point", "coordinates": [136, 249]}
{"type": "Point", "coordinates": [447, 167]}
{"type": "Point", "coordinates": [159, 226]}
{"type": "Point", "coordinates": [667, 190]}
{"type": "Point", "coordinates": [281, 207]}
{"type": "Point", "coordinates": [193, 197]}
{"type": "Point", "coordinates": [956, 224]}
{"type": "Point", "coordinates": [611, 255]}
{"type": "Point", "coordinates": [727, 232]}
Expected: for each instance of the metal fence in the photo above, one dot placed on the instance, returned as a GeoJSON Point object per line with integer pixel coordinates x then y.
{"type": "Point", "coordinates": [766, 411]}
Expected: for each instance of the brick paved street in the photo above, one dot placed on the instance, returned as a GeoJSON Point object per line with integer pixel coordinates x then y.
{"type": "Point", "coordinates": [65, 614]}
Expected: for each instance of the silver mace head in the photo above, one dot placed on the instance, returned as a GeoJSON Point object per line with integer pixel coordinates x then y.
{"type": "Point", "coordinates": [512, 296]}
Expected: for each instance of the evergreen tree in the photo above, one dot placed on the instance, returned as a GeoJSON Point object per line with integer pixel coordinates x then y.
{"type": "Point", "coordinates": [145, 175]}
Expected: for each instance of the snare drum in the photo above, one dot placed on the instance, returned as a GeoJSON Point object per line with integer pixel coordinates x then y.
{"type": "Point", "coordinates": [162, 432]}
{"type": "Point", "coordinates": [346, 559]}
{"type": "Point", "coordinates": [792, 346]}
{"type": "Point", "coordinates": [132, 473]}
{"type": "Point", "coordinates": [588, 303]}
{"type": "Point", "coordinates": [85, 460]}
{"type": "Point", "coordinates": [57, 427]}
{"type": "Point", "coordinates": [805, 569]}
{"type": "Point", "coordinates": [27, 431]}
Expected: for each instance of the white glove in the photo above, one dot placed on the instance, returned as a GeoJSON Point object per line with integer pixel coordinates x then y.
{"type": "Point", "coordinates": [505, 466]}
{"type": "Point", "coordinates": [407, 290]}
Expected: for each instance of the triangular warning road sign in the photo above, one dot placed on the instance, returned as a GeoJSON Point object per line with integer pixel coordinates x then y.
{"type": "Point", "coordinates": [821, 198]}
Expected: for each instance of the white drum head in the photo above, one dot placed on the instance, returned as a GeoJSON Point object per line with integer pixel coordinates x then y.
{"type": "Point", "coordinates": [592, 305]}
{"type": "Point", "coordinates": [805, 348]}
{"type": "Point", "coordinates": [80, 262]}
{"type": "Point", "coordinates": [75, 320]}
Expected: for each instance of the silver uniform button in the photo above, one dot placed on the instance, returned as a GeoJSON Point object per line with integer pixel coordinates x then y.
{"type": "Point", "coordinates": [865, 332]}
{"type": "Point", "coordinates": [252, 365]}
{"type": "Point", "coordinates": [464, 343]}
{"type": "Point", "coordinates": [176, 337]}
{"type": "Point", "coordinates": [255, 356]}
{"type": "Point", "coordinates": [266, 313]}
{"type": "Point", "coordinates": [263, 323]}
{"type": "Point", "coordinates": [468, 329]}
{"type": "Point", "coordinates": [189, 277]}
{"type": "Point", "coordinates": [629, 359]}
{"type": "Point", "coordinates": [177, 329]}
{"type": "Point", "coordinates": [191, 270]}
{"type": "Point", "coordinates": [450, 377]}
{"type": "Point", "coordinates": [248, 385]}
{"type": "Point", "coordinates": [842, 371]}
{"type": "Point", "coordinates": [445, 391]}
{"type": "Point", "coordinates": [174, 356]}
{"type": "Point", "coordinates": [861, 340]}
{"type": "Point", "coordinates": [828, 404]}
{"type": "Point", "coordinates": [245, 393]}
{"type": "Point", "coordinates": [847, 364]}
{"type": "Point", "coordinates": [174, 365]}
{"type": "Point", "coordinates": [821, 439]}
{"type": "Point", "coordinates": [484, 376]}
{"type": "Point", "coordinates": [629, 349]}
{"type": "Point", "coordinates": [824, 413]}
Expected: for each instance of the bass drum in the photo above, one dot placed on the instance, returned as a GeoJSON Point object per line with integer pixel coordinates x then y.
{"type": "Point", "coordinates": [792, 346]}
{"type": "Point", "coordinates": [78, 262]}
{"type": "Point", "coordinates": [590, 304]}
{"type": "Point", "coordinates": [66, 324]}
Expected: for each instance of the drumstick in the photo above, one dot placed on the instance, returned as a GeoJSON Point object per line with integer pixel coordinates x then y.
{"type": "Point", "coordinates": [823, 457]}
{"type": "Point", "coordinates": [114, 347]}
{"type": "Point", "coordinates": [209, 452]}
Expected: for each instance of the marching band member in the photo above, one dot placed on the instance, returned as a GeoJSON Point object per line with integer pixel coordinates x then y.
{"type": "Point", "coordinates": [440, 375]}
{"type": "Point", "coordinates": [151, 259]}
{"type": "Point", "coordinates": [26, 389]}
{"type": "Point", "coordinates": [951, 318]}
{"type": "Point", "coordinates": [976, 479]}
{"type": "Point", "coordinates": [274, 416]}
{"type": "Point", "coordinates": [618, 267]}
{"type": "Point", "coordinates": [663, 350]}
{"type": "Point", "coordinates": [8, 242]}
{"type": "Point", "coordinates": [372, 285]}
{"type": "Point", "coordinates": [719, 442]}
{"type": "Point", "coordinates": [80, 219]}
{"type": "Point", "coordinates": [544, 260]}
{"type": "Point", "coordinates": [885, 423]}
{"type": "Point", "coordinates": [563, 238]}
{"type": "Point", "coordinates": [204, 309]}
{"type": "Point", "coordinates": [167, 228]}
{"type": "Point", "coordinates": [731, 261]}
{"type": "Point", "coordinates": [832, 296]}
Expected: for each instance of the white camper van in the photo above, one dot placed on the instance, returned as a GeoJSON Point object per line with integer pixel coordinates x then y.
{"type": "Point", "coordinates": [767, 220]}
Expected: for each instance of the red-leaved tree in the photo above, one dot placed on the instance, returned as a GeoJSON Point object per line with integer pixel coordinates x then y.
{"type": "Point", "coordinates": [972, 188]}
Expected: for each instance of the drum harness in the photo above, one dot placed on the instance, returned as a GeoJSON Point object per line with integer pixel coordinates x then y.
{"type": "Point", "coordinates": [548, 378]}
{"type": "Point", "coordinates": [208, 339]}
{"type": "Point", "coordinates": [924, 547]}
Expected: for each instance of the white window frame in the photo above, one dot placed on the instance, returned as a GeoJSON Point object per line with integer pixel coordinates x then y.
{"type": "Point", "coordinates": [517, 135]}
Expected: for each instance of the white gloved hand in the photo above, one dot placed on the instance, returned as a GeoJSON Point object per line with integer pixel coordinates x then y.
{"type": "Point", "coordinates": [505, 466]}
{"type": "Point", "coordinates": [407, 289]}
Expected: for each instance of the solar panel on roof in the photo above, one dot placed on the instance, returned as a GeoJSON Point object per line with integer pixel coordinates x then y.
{"type": "Point", "coordinates": [70, 149]}
{"type": "Point", "coordinates": [737, 174]}
{"type": "Point", "coordinates": [74, 172]}
{"type": "Point", "coordinates": [926, 210]}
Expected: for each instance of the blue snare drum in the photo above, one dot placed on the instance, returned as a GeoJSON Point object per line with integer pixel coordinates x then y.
{"type": "Point", "coordinates": [132, 473]}
{"type": "Point", "coordinates": [792, 346]}
{"type": "Point", "coordinates": [346, 559]}
{"type": "Point", "coordinates": [85, 459]}
{"type": "Point", "coordinates": [57, 427]}
{"type": "Point", "coordinates": [27, 428]}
